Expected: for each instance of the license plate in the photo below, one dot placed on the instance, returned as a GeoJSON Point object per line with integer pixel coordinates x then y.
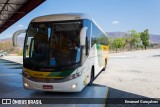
{"type": "Point", "coordinates": [47, 87]}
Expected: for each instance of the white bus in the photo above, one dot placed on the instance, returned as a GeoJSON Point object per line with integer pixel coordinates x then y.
{"type": "Point", "coordinates": [63, 52]}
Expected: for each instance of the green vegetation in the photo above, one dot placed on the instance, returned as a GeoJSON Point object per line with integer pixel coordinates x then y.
{"type": "Point", "coordinates": [145, 38]}
{"type": "Point", "coordinates": [117, 43]}
{"type": "Point", "coordinates": [6, 46]}
{"type": "Point", "coordinates": [132, 40]}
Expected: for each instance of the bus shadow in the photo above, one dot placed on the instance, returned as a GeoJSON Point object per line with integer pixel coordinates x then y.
{"type": "Point", "coordinates": [11, 64]}
{"type": "Point", "coordinates": [112, 94]}
{"type": "Point", "coordinates": [119, 94]}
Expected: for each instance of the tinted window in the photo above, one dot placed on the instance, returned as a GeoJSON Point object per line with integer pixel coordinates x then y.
{"type": "Point", "coordinates": [54, 44]}
{"type": "Point", "coordinates": [98, 36]}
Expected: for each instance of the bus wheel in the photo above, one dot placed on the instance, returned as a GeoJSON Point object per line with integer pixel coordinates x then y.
{"type": "Point", "coordinates": [105, 65]}
{"type": "Point", "coordinates": [91, 77]}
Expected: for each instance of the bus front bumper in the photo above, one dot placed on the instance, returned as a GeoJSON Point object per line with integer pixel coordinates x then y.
{"type": "Point", "coordinates": [74, 85]}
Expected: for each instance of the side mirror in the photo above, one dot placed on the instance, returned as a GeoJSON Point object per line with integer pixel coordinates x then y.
{"type": "Point", "coordinates": [14, 38]}
{"type": "Point", "coordinates": [83, 35]}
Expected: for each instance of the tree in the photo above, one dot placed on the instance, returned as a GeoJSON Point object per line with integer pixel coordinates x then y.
{"type": "Point", "coordinates": [118, 43]}
{"type": "Point", "coordinates": [6, 46]}
{"type": "Point", "coordinates": [134, 39]}
{"type": "Point", "coordinates": [110, 41]}
{"type": "Point", "coordinates": [145, 38]}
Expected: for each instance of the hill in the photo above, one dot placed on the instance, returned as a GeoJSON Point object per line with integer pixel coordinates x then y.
{"type": "Point", "coordinates": [155, 39]}
{"type": "Point", "coordinates": [19, 39]}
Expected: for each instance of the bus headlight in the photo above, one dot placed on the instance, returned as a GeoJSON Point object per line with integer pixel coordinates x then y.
{"type": "Point", "coordinates": [26, 85]}
{"type": "Point", "coordinates": [25, 74]}
{"type": "Point", "coordinates": [74, 86]}
{"type": "Point", "coordinates": [76, 75]}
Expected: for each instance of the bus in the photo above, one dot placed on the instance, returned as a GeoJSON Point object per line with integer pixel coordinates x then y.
{"type": "Point", "coordinates": [63, 52]}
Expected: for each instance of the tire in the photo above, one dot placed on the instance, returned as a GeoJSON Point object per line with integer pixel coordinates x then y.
{"type": "Point", "coordinates": [105, 65]}
{"type": "Point", "coordinates": [91, 77]}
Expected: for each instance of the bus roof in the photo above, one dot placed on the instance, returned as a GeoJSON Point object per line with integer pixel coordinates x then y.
{"type": "Point", "coordinates": [65, 17]}
{"type": "Point", "coordinates": [61, 17]}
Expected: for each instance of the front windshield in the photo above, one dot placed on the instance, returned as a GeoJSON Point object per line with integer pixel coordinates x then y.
{"type": "Point", "coordinates": [55, 44]}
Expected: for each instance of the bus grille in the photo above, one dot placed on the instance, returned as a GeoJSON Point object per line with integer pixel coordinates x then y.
{"type": "Point", "coordinates": [47, 80]}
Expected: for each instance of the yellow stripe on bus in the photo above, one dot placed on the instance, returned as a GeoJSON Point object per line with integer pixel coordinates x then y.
{"type": "Point", "coordinates": [38, 74]}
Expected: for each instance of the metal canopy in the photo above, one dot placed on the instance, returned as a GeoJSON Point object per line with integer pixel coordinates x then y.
{"type": "Point", "coordinates": [13, 10]}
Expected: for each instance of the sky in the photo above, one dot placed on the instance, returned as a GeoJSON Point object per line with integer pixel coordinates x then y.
{"type": "Point", "coordinates": [111, 15]}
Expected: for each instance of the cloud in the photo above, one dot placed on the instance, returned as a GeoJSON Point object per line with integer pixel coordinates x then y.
{"type": "Point", "coordinates": [115, 22]}
{"type": "Point", "coordinates": [20, 25]}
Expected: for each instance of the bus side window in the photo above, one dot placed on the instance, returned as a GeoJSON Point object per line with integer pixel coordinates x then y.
{"type": "Point", "coordinates": [93, 41]}
{"type": "Point", "coordinates": [95, 34]}
{"type": "Point", "coordinates": [98, 37]}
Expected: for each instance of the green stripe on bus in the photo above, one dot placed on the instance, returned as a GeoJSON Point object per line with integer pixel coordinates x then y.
{"type": "Point", "coordinates": [61, 74]}
{"type": "Point", "coordinates": [54, 74]}
{"type": "Point", "coordinates": [67, 73]}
